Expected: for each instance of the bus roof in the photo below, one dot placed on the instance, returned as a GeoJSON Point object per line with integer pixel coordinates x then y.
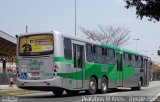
{"type": "Point", "coordinates": [103, 44]}
{"type": "Point", "coordinates": [87, 41]}
{"type": "Point", "coordinates": [130, 51]}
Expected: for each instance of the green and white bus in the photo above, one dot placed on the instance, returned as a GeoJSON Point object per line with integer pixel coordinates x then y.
{"type": "Point", "coordinates": [57, 62]}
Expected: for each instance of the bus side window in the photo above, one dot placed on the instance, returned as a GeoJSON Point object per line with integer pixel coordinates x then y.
{"type": "Point", "coordinates": [67, 48]}
{"type": "Point", "coordinates": [140, 62]}
{"type": "Point", "coordinates": [111, 55]}
{"type": "Point", "coordinates": [98, 54]}
{"type": "Point", "coordinates": [133, 60]}
{"type": "Point", "coordinates": [107, 59]}
{"type": "Point", "coordinates": [103, 55]}
{"type": "Point", "coordinates": [126, 59]}
{"type": "Point", "coordinates": [89, 53]}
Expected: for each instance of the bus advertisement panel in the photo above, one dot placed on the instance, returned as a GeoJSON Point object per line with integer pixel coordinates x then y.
{"type": "Point", "coordinates": [36, 45]}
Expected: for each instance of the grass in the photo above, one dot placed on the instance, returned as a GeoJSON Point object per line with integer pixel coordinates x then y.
{"type": "Point", "coordinates": [17, 92]}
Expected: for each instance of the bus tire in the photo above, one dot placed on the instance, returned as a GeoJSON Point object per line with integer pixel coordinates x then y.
{"type": "Point", "coordinates": [92, 86]}
{"type": "Point", "coordinates": [104, 85]}
{"type": "Point", "coordinates": [58, 91]}
{"type": "Point", "coordinates": [138, 87]}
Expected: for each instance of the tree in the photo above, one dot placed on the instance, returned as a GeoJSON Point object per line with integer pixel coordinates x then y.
{"type": "Point", "coordinates": [148, 8]}
{"type": "Point", "coordinates": [117, 36]}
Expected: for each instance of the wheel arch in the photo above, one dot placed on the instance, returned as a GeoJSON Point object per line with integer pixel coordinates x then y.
{"type": "Point", "coordinates": [105, 77]}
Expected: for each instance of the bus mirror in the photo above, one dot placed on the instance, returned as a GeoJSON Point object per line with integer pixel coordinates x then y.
{"type": "Point", "coordinates": [16, 36]}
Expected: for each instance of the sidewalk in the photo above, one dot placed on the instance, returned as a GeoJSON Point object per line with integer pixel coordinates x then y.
{"type": "Point", "coordinates": [5, 90]}
{"type": "Point", "coordinates": [7, 87]}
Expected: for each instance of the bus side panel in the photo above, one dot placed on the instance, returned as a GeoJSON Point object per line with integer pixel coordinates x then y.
{"type": "Point", "coordinates": [68, 78]}
{"type": "Point", "coordinates": [130, 76]}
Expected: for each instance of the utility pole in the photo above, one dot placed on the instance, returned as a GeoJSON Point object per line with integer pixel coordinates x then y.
{"type": "Point", "coordinates": [136, 42]}
{"type": "Point", "coordinates": [26, 29]}
{"type": "Point", "coordinates": [75, 17]}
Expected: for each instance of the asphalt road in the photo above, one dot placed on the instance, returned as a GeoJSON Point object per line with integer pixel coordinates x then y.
{"type": "Point", "coordinates": [146, 94]}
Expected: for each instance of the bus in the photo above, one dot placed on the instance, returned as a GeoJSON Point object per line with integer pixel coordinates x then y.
{"type": "Point", "coordinates": [57, 62]}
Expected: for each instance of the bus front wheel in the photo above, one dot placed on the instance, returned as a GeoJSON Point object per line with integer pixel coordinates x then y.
{"type": "Point", "coordinates": [138, 87]}
{"type": "Point", "coordinates": [92, 86]}
{"type": "Point", "coordinates": [58, 91]}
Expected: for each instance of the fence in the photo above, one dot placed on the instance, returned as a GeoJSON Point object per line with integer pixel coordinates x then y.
{"type": "Point", "coordinates": [4, 78]}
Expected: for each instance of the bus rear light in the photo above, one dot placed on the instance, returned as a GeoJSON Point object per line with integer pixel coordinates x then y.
{"type": "Point", "coordinates": [17, 71]}
{"type": "Point", "coordinates": [56, 66]}
{"type": "Point", "coordinates": [55, 70]}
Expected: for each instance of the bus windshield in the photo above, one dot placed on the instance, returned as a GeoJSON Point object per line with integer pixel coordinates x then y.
{"type": "Point", "coordinates": [34, 45]}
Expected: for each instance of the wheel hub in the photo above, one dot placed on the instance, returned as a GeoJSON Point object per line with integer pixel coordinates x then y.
{"type": "Point", "coordinates": [92, 85]}
{"type": "Point", "coordinates": [104, 87]}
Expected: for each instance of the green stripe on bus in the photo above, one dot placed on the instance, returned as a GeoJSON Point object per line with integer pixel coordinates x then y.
{"type": "Point", "coordinates": [62, 59]}
{"type": "Point", "coordinates": [96, 69]}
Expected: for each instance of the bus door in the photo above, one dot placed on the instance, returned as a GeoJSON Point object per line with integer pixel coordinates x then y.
{"type": "Point", "coordinates": [119, 65]}
{"type": "Point", "coordinates": [78, 52]}
{"type": "Point", "coordinates": [146, 72]}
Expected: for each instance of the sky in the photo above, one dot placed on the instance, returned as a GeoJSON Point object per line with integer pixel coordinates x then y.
{"type": "Point", "coordinates": [50, 15]}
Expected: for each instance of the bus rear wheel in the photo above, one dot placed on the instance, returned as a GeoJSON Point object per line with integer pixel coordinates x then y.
{"type": "Point", "coordinates": [92, 86]}
{"type": "Point", "coordinates": [104, 85]}
{"type": "Point", "coordinates": [58, 91]}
